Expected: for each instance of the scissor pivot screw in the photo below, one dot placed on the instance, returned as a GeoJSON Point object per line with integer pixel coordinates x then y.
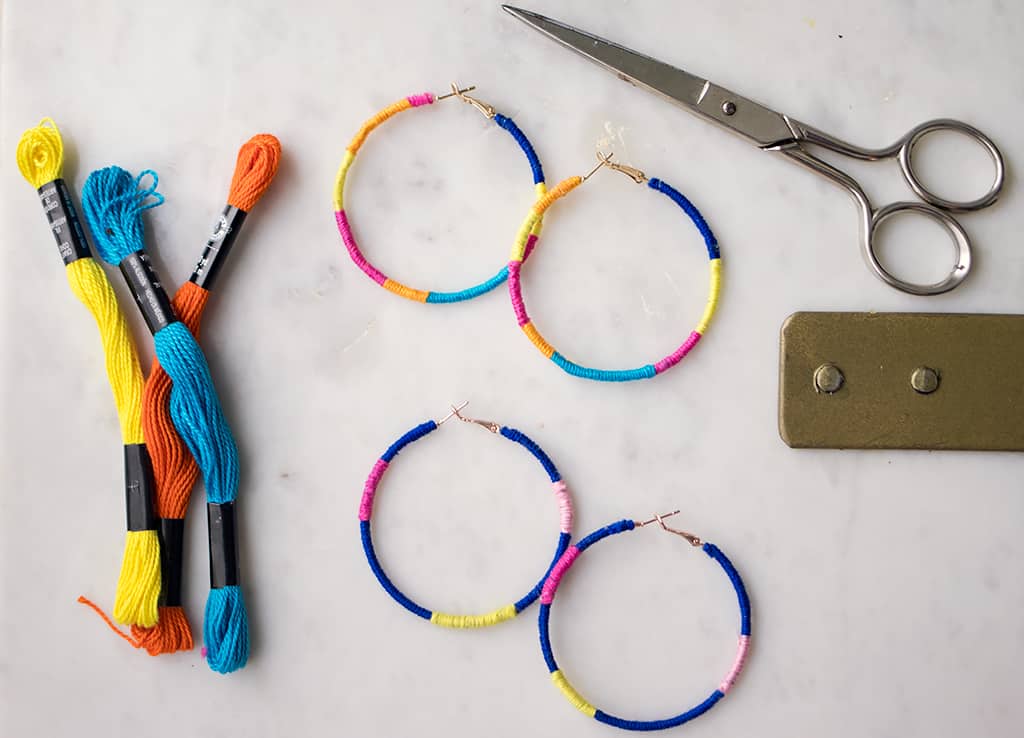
{"type": "Point", "coordinates": [924, 380]}
{"type": "Point", "coordinates": [728, 107]}
{"type": "Point", "coordinates": [828, 378]}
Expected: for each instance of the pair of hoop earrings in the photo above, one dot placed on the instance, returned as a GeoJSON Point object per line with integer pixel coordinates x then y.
{"type": "Point", "coordinates": [526, 239]}
{"type": "Point", "coordinates": [545, 590]}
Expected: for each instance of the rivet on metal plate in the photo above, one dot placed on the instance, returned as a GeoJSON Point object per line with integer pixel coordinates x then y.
{"type": "Point", "coordinates": [960, 393]}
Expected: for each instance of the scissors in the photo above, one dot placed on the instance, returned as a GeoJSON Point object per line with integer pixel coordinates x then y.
{"type": "Point", "coordinates": [772, 131]}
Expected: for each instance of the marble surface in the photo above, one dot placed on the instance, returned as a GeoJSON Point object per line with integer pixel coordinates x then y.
{"type": "Point", "coordinates": [886, 585]}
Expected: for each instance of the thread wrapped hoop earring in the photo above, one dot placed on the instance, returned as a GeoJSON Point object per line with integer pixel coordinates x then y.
{"type": "Point", "coordinates": [525, 242]}
{"type": "Point", "coordinates": [548, 595]}
{"type": "Point", "coordinates": [366, 511]}
{"type": "Point", "coordinates": [342, 218]}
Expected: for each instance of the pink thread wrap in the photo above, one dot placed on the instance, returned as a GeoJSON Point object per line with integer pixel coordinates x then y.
{"type": "Point", "coordinates": [674, 358]}
{"type": "Point", "coordinates": [353, 250]}
{"type": "Point", "coordinates": [515, 292]}
{"type": "Point", "coordinates": [547, 593]}
{"type": "Point", "coordinates": [564, 505]}
{"type": "Point", "coordinates": [370, 489]}
{"type": "Point", "coordinates": [531, 241]}
{"type": "Point", "coordinates": [424, 98]}
{"type": "Point", "coordinates": [737, 666]}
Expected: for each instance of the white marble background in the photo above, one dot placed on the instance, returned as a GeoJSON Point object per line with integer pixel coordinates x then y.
{"type": "Point", "coordinates": [886, 585]}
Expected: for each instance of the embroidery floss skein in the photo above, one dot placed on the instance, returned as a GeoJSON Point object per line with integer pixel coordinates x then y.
{"type": "Point", "coordinates": [40, 156]}
{"type": "Point", "coordinates": [113, 201]}
{"type": "Point", "coordinates": [174, 469]}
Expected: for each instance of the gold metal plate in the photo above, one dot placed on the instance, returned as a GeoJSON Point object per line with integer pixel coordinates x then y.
{"type": "Point", "coordinates": [977, 360]}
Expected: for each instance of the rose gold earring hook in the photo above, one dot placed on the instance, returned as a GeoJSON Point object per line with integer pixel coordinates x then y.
{"type": "Point", "coordinates": [453, 413]}
{"type": "Point", "coordinates": [457, 413]}
{"type": "Point", "coordinates": [660, 520]}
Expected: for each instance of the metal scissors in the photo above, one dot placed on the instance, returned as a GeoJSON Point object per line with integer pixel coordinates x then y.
{"type": "Point", "coordinates": [772, 131]}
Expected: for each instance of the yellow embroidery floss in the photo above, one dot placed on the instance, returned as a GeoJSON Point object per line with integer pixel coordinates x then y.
{"type": "Point", "coordinates": [40, 157]}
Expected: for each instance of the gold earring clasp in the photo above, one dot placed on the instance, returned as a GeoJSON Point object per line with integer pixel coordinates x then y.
{"type": "Point", "coordinates": [660, 520]}
{"type": "Point", "coordinates": [460, 93]}
{"type": "Point", "coordinates": [605, 160]}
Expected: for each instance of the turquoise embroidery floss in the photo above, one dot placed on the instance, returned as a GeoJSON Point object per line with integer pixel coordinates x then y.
{"type": "Point", "coordinates": [113, 202]}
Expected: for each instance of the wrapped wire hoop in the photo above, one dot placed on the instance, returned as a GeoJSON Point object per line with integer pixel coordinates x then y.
{"type": "Point", "coordinates": [342, 218]}
{"type": "Point", "coordinates": [558, 677]}
{"type": "Point", "coordinates": [446, 619]}
{"type": "Point", "coordinates": [526, 239]}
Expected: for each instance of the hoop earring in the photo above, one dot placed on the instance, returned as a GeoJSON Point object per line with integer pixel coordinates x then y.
{"type": "Point", "coordinates": [548, 595]}
{"type": "Point", "coordinates": [415, 101]}
{"type": "Point", "coordinates": [524, 245]}
{"type": "Point", "coordinates": [366, 510]}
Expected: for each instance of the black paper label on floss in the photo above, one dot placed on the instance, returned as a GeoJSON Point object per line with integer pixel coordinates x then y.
{"type": "Point", "coordinates": [225, 231]}
{"type": "Point", "coordinates": [64, 223]}
{"type": "Point", "coordinates": [138, 487]}
{"type": "Point", "coordinates": [220, 520]}
{"type": "Point", "coordinates": [171, 532]}
{"type": "Point", "coordinates": [147, 290]}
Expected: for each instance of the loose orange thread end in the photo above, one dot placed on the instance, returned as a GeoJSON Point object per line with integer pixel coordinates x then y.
{"type": "Point", "coordinates": [110, 623]}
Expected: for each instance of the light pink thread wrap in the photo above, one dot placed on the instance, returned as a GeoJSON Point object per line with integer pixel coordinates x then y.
{"type": "Point", "coordinates": [353, 249]}
{"type": "Point", "coordinates": [737, 667]}
{"type": "Point", "coordinates": [564, 505]}
{"type": "Point", "coordinates": [674, 358]}
{"type": "Point", "coordinates": [547, 593]}
{"type": "Point", "coordinates": [370, 488]}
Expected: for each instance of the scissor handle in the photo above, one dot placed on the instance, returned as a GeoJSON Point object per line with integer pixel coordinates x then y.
{"type": "Point", "coordinates": [905, 156]}
{"type": "Point", "coordinates": [961, 247]}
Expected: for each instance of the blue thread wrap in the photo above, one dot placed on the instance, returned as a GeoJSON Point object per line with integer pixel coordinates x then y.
{"type": "Point", "coordinates": [691, 210]}
{"type": "Point", "coordinates": [366, 535]}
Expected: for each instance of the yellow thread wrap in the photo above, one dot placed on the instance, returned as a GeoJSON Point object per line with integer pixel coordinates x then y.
{"type": "Point", "coordinates": [538, 340]}
{"type": "Point", "coordinates": [339, 183]}
{"type": "Point", "coordinates": [571, 694]}
{"type": "Point", "coordinates": [714, 288]}
{"type": "Point", "coordinates": [534, 220]}
{"type": "Point", "coordinates": [532, 223]}
{"type": "Point", "coordinates": [474, 621]}
{"type": "Point", "coordinates": [541, 190]}
{"type": "Point", "coordinates": [40, 159]}
{"type": "Point", "coordinates": [407, 292]}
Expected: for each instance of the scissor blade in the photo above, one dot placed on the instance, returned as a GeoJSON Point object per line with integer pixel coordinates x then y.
{"type": "Point", "coordinates": [761, 126]}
